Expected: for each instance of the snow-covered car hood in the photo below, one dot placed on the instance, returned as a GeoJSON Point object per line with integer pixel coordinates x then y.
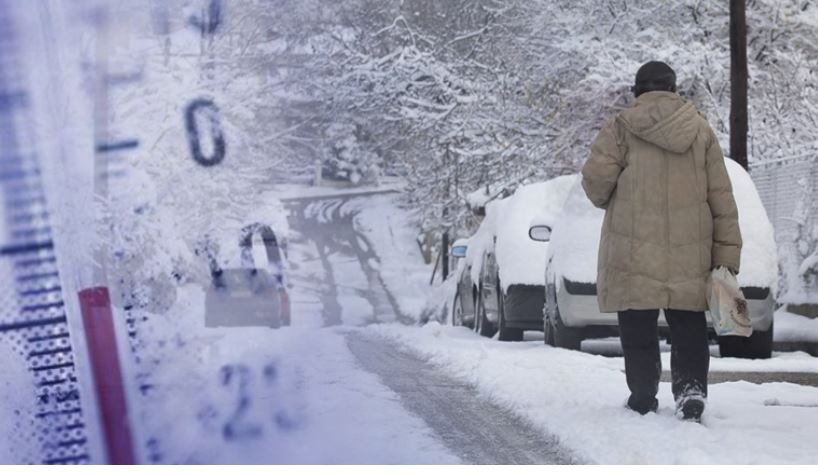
{"type": "Point", "coordinates": [575, 238]}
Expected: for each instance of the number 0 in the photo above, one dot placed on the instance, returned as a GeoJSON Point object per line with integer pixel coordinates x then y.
{"type": "Point", "coordinates": [209, 109]}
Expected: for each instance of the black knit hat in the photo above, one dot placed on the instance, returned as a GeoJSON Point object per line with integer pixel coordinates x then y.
{"type": "Point", "coordinates": [654, 76]}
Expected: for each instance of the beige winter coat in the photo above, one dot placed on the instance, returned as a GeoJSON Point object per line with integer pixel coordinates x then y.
{"type": "Point", "coordinates": [658, 171]}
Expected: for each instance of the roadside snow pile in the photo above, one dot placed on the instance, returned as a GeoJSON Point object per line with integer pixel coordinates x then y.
{"type": "Point", "coordinates": [575, 239]}
{"type": "Point", "coordinates": [255, 395]}
{"type": "Point", "coordinates": [791, 327]}
{"type": "Point", "coordinates": [783, 362]}
{"type": "Point", "coordinates": [18, 441]}
{"type": "Point", "coordinates": [580, 398]}
{"type": "Point", "coordinates": [520, 259]}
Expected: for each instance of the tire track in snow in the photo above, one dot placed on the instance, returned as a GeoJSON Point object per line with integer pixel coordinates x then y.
{"type": "Point", "coordinates": [470, 426]}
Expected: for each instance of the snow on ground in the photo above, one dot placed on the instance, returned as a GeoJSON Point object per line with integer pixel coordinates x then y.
{"type": "Point", "coordinates": [780, 361]}
{"type": "Point", "coordinates": [580, 398]}
{"type": "Point", "coordinates": [791, 327]}
{"type": "Point", "coordinates": [256, 395]}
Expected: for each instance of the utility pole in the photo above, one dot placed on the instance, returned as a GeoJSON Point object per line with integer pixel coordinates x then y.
{"type": "Point", "coordinates": [738, 82]}
{"type": "Point", "coordinates": [444, 244]}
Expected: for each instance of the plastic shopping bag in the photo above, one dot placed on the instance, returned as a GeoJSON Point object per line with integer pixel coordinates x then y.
{"type": "Point", "coordinates": [728, 308]}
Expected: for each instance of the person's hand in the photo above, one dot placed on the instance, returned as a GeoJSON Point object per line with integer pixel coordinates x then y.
{"type": "Point", "coordinates": [732, 272]}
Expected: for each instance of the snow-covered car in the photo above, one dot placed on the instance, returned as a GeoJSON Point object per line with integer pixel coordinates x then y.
{"type": "Point", "coordinates": [571, 312]}
{"type": "Point", "coordinates": [500, 285]}
{"type": "Point", "coordinates": [248, 288]}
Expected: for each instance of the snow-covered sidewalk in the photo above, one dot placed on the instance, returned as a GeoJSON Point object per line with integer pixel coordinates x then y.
{"type": "Point", "coordinates": [579, 398]}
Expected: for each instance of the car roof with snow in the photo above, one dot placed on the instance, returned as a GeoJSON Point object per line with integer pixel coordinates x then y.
{"type": "Point", "coordinates": [521, 260]}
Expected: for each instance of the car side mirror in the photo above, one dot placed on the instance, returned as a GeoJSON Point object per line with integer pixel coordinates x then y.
{"type": "Point", "coordinates": [459, 248]}
{"type": "Point", "coordinates": [540, 232]}
{"type": "Point", "coordinates": [459, 251]}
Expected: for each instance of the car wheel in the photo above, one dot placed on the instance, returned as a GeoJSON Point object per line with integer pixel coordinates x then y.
{"type": "Point", "coordinates": [548, 332]}
{"type": "Point", "coordinates": [505, 333]}
{"type": "Point", "coordinates": [758, 346]}
{"type": "Point", "coordinates": [482, 325]}
{"type": "Point", "coordinates": [558, 334]}
{"type": "Point", "coordinates": [548, 308]}
{"type": "Point", "coordinates": [457, 310]}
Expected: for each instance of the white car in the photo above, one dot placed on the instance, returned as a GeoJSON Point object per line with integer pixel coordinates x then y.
{"type": "Point", "coordinates": [571, 312]}
{"type": "Point", "coordinates": [500, 285]}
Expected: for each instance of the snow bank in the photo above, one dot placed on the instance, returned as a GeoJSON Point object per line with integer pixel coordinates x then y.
{"type": "Point", "coordinates": [522, 260]}
{"type": "Point", "coordinates": [575, 239]}
{"type": "Point", "coordinates": [791, 327]}
{"type": "Point", "coordinates": [580, 399]}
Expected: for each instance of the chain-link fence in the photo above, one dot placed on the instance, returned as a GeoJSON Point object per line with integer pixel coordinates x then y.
{"type": "Point", "coordinates": [789, 190]}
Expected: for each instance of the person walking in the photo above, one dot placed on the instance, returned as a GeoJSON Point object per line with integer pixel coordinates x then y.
{"type": "Point", "coordinates": [657, 170]}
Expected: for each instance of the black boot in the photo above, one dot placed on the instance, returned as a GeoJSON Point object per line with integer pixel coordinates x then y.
{"type": "Point", "coordinates": [690, 362]}
{"type": "Point", "coordinates": [690, 408]}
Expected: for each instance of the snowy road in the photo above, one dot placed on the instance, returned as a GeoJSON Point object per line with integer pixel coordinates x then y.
{"type": "Point", "coordinates": [469, 424]}
{"type": "Point", "coordinates": [348, 280]}
{"type": "Point", "coordinates": [356, 379]}
{"type": "Point", "coordinates": [336, 273]}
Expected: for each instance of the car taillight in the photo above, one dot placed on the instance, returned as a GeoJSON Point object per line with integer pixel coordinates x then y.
{"type": "Point", "coordinates": [755, 292]}
{"type": "Point", "coordinates": [579, 288]}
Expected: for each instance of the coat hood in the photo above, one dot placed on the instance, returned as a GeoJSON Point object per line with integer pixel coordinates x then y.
{"type": "Point", "coordinates": [664, 119]}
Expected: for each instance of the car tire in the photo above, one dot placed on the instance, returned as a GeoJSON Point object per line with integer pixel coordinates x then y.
{"type": "Point", "coordinates": [457, 310]}
{"type": "Point", "coordinates": [482, 325]}
{"type": "Point", "coordinates": [758, 346]}
{"type": "Point", "coordinates": [505, 333]}
{"type": "Point", "coordinates": [558, 334]}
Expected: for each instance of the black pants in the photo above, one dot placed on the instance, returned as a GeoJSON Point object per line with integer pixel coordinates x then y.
{"type": "Point", "coordinates": [689, 356]}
